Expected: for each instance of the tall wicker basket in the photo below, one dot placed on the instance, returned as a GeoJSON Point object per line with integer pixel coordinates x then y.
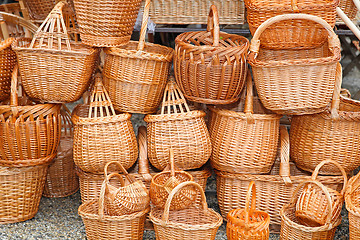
{"type": "Point", "coordinates": [352, 200]}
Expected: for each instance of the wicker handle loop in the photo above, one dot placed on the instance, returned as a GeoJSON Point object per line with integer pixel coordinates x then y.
{"type": "Point", "coordinates": [14, 86]}
{"type": "Point", "coordinates": [294, 6]}
{"type": "Point", "coordinates": [285, 156]}
{"type": "Point", "coordinates": [349, 23]}
{"type": "Point", "coordinates": [172, 162]}
{"type": "Point", "coordinates": [213, 25]}
{"type": "Point", "coordinates": [143, 160]}
{"type": "Point", "coordinates": [335, 102]}
{"type": "Point", "coordinates": [121, 167]}
{"type": "Point", "coordinates": [111, 175]}
{"type": "Point", "coordinates": [350, 186]}
{"type": "Point", "coordinates": [249, 100]}
{"type": "Point", "coordinates": [144, 25]}
{"type": "Point", "coordinates": [343, 173]}
{"type": "Point", "coordinates": [250, 202]}
{"type": "Point", "coordinates": [165, 216]}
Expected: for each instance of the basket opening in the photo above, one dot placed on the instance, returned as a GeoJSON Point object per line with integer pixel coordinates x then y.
{"type": "Point", "coordinates": [162, 178]}
{"type": "Point", "coordinates": [287, 3]}
{"type": "Point", "coordinates": [148, 48]}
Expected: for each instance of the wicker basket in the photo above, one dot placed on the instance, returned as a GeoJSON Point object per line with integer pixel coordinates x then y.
{"type": "Point", "coordinates": [197, 222]}
{"type": "Point", "coordinates": [28, 134]}
{"type": "Point", "coordinates": [291, 229]}
{"type": "Point", "coordinates": [349, 8]}
{"type": "Point", "coordinates": [53, 68]}
{"type": "Point", "coordinates": [7, 64]}
{"type": "Point", "coordinates": [101, 135]}
{"type": "Point", "coordinates": [282, 180]}
{"type": "Point", "coordinates": [194, 12]}
{"type": "Point", "coordinates": [179, 128]}
{"type": "Point", "coordinates": [248, 223]}
{"type": "Point", "coordinates": [244, 141]}
{"type": "Point", "coordinates": [292, 33]}
{"type": "Point", "coordinates": [16, 26]}
{"type": "Point", "coordinates": [293, 81]}
{"type": "Point", "coordinates": [135, 75]}
{"type": "Point", "coordinates": [61, 180]}
{"type": "Point", "coordinates": [210, 67]}
{"type": "Point", "coordinates": [352, 200]}
{"type": "Point", "coordinates": [333, 134]}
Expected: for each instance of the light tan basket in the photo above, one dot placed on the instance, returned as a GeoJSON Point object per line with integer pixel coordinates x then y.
{"type": "Point", "coordinates": [352, 200]}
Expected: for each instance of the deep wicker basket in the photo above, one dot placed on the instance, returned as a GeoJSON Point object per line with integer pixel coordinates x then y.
{"type": "Point", "coordinates": [352, 200]}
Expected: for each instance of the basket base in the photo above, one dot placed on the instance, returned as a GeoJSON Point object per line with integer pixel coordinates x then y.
{"type": "Point", "coordinates": [16, 220]}
{"type": "Point", "coordinates": [211, 101]}
{"type": "Point", "coordinates": [98, 41]}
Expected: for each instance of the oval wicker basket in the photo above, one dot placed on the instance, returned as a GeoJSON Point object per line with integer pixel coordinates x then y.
{"type": "Point", "coordinates": [352, 200]}
{"type": "Point", "coordinates": [197, 222]}
{"type": "Point", "coordinates": [244, 140]}
{"type": "Point", "coordinates": [179, 128]}
{"type": "Point", "coordinates": [210, 67]}
{"type": "Point", "coordinates": [101, 135]}
{"type": "Point", "coordinates": [295, 82]}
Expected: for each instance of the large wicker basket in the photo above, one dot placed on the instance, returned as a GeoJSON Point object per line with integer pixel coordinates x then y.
{"type": "Point", "coordinates": [292, 33]}
{"type": "Point", "coordinates": [244, 139]}
{"type": "Point", "coordinates": [53, 68]}
{"type": "Point", "coordinates": [210, 67]}
{"type": "Point", "coordinates": [293, 81]}
{"type": "Point", "coordinates": [179, 128]}
{"type": "Point", "coordinates": [352, 200]}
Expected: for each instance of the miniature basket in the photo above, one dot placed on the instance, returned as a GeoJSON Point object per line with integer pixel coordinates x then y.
{"type": "Point", "coordinates": [248, 223]}
{"type": "Point", "coordinates": [244, 140]}
{"type": "Point", "coordinates": [163, 183]}
{"type": "Point", "coordinates": [53, 68]}
{"type": "Point", "coordinates": [28, 134]}
{"type": "Point", "coordinates": [282, 180]}
{"type": "Point", "coordinates": [7, 64]}
{"type": "Point", "coordinates": [61, 179]}
{"type": "Point", "coordinates": [292, 229]}
{"type": "Point", "coordinates": [197, 222]}
{"type": "Point", "coordinates": [179, 128]}
{"type": "Point", "coordinates": [352, 200]}
{"type": "Point", "coordinates": [135, 75]}
{"type": "Point", "coordinates": [292, 33]}
{"type": "Point", "coordinates": [210, 67]}
{"type": "Point", "coordinates": [332, 135]}
{"type": "Point", "coordinates": [101, 135]}
{"type": "Point", "coordinates": [131, 197]}
{"type": "Point", "coordinates": [312, 205]}
{"type": "Point", "coordinates": [292, 81]}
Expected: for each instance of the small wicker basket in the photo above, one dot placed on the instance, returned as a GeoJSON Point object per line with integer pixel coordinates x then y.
{"type": "Point", "coordinates": [352, 200]}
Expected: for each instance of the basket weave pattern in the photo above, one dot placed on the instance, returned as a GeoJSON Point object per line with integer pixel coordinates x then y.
{"type": "Point", "coordinates": [352, 200]}
{"type": "Point", "coordinates": [7, 64]}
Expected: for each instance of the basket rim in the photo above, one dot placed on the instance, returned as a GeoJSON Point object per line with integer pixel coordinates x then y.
{"type": "Point", "coordinates": [28, 162]}
{"type": "Point", "coordinates": [156, 184]}
{"type": "Point", "coordinates": [235, 212]}
{"type": "Point", "coordinates": [6, 43]}
{"type": "Point", "coordinates": [242, 115]}
{"type": "Point", "coordinates": [302, 7]}
{"type": "Point", "coordinates": [150, 118]}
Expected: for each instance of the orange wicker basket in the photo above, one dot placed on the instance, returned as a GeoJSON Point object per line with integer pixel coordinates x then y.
{"type": "Point", "coordinates": [244, 141]}
{"type": "Point", "coordinates": [293, 81]}
{"type": "Point", "coordinates": [352, 200]}
{"type": "Point", "coordinates": [210, 67]}
{"type": "Point", "coordinates": [292, 33]}
{"type": "Point", "coordinates": [53, 68]}
{"type": "Point", "coordinates": [101, 135]}
{"type": "Point", "coordinates": [248, 223]}
{"type": "Point", "coordinates": [135, 75]}
{"type": "Point", "coordinates": [197, 222]}
{"type": "Point", "coordinates": [179, 128]}
{"type": "Point", "coordinates": [349, 8]}
{"type": "Point", "coordinates": [292, 229]}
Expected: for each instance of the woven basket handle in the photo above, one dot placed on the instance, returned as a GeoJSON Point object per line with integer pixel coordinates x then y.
{"type": "Point", "coordinates": [350, 187]}
{"type": "Point", "coordinates": [335, 102]}
{"type": "Point", "coordinates": [173, 99]}
{"type": "Point", "coordinates": [14, 87]}
{"type": "Point", "coordinates": [165, 216]}
{"type": "Point", "coordinates": [334, 41]}
{"type": "Point", "coordinates": [143, 160]}
{"type": "Point", "coordinates": [348, 21]}
{"type": "Point", "coordinates": [249, 100]}
{"type": "Point", "coordinates": [343, 173]}
{"type": "Point", "coordinates": [53, 29]}
{"type": "Point", "coordinates": [121, 167]}
{"type": "Point", "coordinates": [213, 25]}
{"type": "Point", "coordinates": [144, 24]}
{"type": "Point", "coordinates": [285, 156]}
{"type": "Point", "coordinates": [250, 202]}
{"type": "Point", "coordinates": [172, 162]}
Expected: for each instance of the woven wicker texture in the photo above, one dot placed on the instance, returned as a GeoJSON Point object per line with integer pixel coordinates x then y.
{"type": "Point", "coordinates": [244, 140]}
{"type": "Point", "coordinates": [291, 229]}
{"type": "Point", "coordinates": [272, 190]}
{"type": "Point", "coordinates": [28, 134]}
{"type": "Point", "coordinates": [349, 9]}
{"type": "Point", "coordinates": [135, 75]}
{"type": "Point", "coordinates": [179, 128]}
{"type": "Point", "coordinates": [293, 81]}
{"type": "Point", "coordinates": [61, 179]}
{"type": "Point", "coordinates": [15, 26]}
{"type": "Point", "coordinates": [7, 64]}
{"type": "Point", "coordinates": [248, 223]}
{"type": "Point", "coordinates": [20, 191]}
{"type": "Point", "coordinates": [292, 33]}
{"type": "Point", "coordinates": [194, 12]}
{"type": "Point", "coordinates": [333, 134]}
{"type": "Point", "coordinates": [210, 67]}
{"type": "Point", "coordinates": [352, 200]}
{"type": "Point", "coordinates": [197, 222]}
{"type": "Point", "coordinates": [53, 68]}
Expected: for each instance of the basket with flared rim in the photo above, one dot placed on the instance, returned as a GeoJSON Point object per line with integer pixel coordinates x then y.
{"type": "Point", "coordinates": [163, 183]}
{"type": "Point", "coordinates": [7, 64]}
{"type": "Point", "coordinates": [312, 207]}
{"type": "Point", "coordinates": [135, 75]}
{"type": "Point", "coordinates": [210, 66]}
{"type": "Point", "coordinates": [53, 68]}
{"type": "Point", "coordinates": [304, 79]}
{"type": "Point", "coordinates": [101, 135]}
{"type": "Point", "coordinates": [291, 228]}
{"type": "Point", "coordinates": [197, 222]}
{"type": "Point", "coordinates": [131, 197]}
{"type": "Point", "coordinates": [29, 135]}
{"type": "Point", "coordinates": [244, 149]}
{"type": "Point", "coordinates": [248, 223]}
{"type": "Point", "coordinates": [352, 200]}
{"type": "Point", "coordinates": [180, 128]}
